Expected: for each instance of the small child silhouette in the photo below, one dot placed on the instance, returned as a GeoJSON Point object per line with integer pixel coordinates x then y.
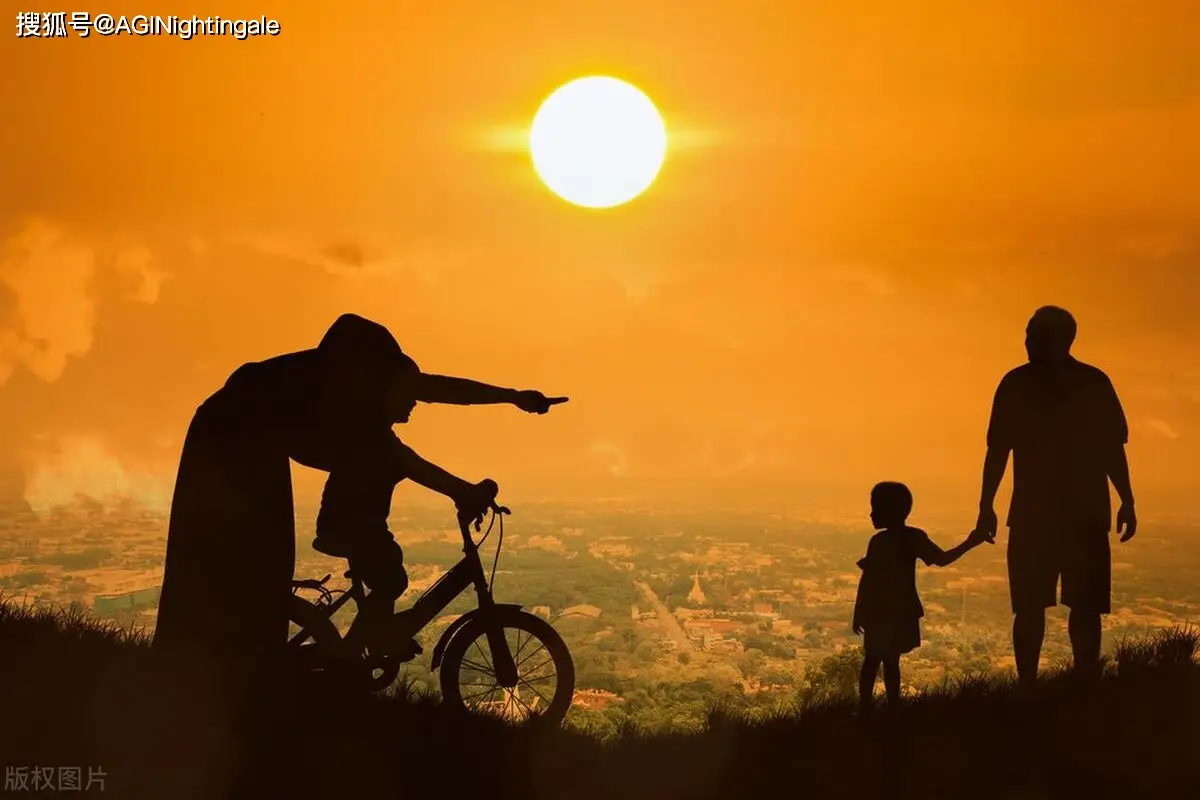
{"type": "Point", "coordinates": [887, 611]}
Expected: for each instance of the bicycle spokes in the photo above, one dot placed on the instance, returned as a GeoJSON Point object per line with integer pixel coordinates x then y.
{"type": "Point", "coordinates": [482, 689]}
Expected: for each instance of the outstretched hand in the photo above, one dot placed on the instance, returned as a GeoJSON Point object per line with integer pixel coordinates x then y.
{"type": "Point", "coordinates": [533, 402]}
{"type": "Point", "coordinates": [1126, 522]}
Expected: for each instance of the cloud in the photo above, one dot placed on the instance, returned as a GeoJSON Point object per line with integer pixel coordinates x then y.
{"type": "Point", "coordinates": [83, 467]}
{"type": "Point", "coordinates": [48, 280]}
{"type": "Point", "coordinates": [427, 261]}
{"type": "Point", "coordinates": [137, 263]}
{"type": "Point", "coordinates": [1161, 427]}
{"type": "Point", "coordinates": [51, 314]}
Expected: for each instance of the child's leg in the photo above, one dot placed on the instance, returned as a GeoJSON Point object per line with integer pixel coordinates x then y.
{"type": "Point", "coordinates": [866, 679]}
{"type": "Point", "coordinates": [891, 678]}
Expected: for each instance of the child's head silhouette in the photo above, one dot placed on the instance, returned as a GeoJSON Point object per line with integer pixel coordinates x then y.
{"type": "Point", "coordinates": [891, 503]}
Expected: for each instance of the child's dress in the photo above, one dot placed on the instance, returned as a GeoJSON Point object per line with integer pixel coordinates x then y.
{"type": "Point", "coordinates": [888, 607]}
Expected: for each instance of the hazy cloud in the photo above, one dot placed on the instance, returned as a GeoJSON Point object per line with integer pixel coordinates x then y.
{"type": "Point", "coordinates": [83, 467]}
{"type": "Point", "coordinates": [48, 278]}
{"type": "Point", "coordinates": [1161, 427]}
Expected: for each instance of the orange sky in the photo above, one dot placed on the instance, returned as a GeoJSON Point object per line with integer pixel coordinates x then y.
{"type": "Point", "coordinates": [863, 203]}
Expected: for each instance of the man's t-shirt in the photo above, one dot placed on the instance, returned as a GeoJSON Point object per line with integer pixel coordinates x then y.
{"type": "Point", "coordinates": [887, 590]}
{"type": "Point", "coordinates": [1062, 424]}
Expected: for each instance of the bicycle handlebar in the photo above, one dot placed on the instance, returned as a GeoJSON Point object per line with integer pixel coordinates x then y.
{"type": "Point", "coordinates": [465, 519]}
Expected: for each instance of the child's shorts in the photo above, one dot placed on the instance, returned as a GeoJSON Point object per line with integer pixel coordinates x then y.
{"type": "Point", "coordinates": [893, 638]}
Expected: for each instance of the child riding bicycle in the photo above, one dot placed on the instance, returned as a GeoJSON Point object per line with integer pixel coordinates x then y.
{"type": "Point", "coordinates": [352, 524]}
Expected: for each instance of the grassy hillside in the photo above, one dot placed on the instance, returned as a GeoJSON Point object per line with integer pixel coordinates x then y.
{"type": "Point", "coordinates": [79, 693]}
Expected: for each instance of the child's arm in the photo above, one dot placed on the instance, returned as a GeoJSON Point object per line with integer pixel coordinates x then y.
{"type": "Point", "coordinates": [431, 476]}
{"type": "Point", "coordinates": [935, 556]}
{"type": "Point", "coordinates": [856, 624]}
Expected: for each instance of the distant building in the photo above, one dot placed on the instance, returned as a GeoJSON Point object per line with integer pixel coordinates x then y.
{"type": "Point", "coordinates": [541, 611]}
{"type": "Point", "coordinates": [581, 611]}
{"type": "Point", "coordinates": [696, 595]}
{"type": "Point", "coordinates": [765, 610]}
{"type": "Point", "coordinates": [594, 698]}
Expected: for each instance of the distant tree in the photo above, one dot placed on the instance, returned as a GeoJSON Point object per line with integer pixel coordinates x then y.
{"type": "Point", "coordinates": [776, 675]}
{"type": "Point", "coordinates": [835, 676]}
{"type": "Point", "coordinates": [751, 662]}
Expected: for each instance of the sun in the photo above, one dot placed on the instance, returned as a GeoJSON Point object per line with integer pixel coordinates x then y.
{"type": "Point", "coordinates": [597, 142]}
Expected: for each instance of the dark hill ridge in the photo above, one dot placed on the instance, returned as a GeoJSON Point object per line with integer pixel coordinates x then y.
{"type": "Point", "coordinates": [77, 693]}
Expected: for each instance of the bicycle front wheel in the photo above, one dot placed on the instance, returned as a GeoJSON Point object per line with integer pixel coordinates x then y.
{"type": "Point", "coordinates": [545, 671]}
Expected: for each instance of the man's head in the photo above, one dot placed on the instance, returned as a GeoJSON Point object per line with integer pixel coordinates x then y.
{"type": "Point", "coordinates": [402, 395]}
{"type": "Point", "coordinates": [1049, 335]}
{"type": "Point", "coordinates": [891, 503]}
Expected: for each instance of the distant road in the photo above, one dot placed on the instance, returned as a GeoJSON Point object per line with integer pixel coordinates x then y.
{"type": "Point", "coordinates": [669, 624]}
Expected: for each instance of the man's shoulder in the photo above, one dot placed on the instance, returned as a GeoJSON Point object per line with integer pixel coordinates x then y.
{"type": "Point", "coordinates": [1089, 373]}
{"type": "Point", "coordinates": [1017, 374]}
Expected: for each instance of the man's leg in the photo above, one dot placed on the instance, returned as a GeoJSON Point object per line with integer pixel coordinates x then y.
{"type": "Point", "coordinates": [1084, 629]}
{"type": "Point", "coordinates": [1029, 629]}
{"type": "Point", "coordinates": [1087, 585]}
{"type": "Point", "coordinates": [1032, 580]}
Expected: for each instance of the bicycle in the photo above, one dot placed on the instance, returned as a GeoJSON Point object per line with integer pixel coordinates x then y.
{"type": "Point", "coordinates": [351, 659]}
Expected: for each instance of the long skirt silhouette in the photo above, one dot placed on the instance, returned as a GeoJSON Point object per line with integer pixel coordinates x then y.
{"type": "Point", "coordinates": [223, 610]}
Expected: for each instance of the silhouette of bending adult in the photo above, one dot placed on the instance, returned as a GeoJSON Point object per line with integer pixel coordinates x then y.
{"type": "Point", "coordinates": [1063, 424]}
{"type": "Point", "coordinates": [231, 538]}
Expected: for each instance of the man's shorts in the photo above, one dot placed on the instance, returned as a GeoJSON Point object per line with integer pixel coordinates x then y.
{"type": "Point", "coordinates": [1037, 557]}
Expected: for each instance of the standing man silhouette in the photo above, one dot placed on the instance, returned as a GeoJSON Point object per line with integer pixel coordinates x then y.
{"type": "Point", "coordinates": [1063, 424]}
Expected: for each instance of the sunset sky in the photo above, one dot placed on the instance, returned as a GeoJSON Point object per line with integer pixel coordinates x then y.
{"type": "Point", "coordinates": [861, 206]}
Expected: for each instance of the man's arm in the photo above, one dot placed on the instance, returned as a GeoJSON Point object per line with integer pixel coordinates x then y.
{"type": "Point", "coordinates": [1118, 473]}
{"type": "Point", "coordinates": [465, 392]}
{"type": "Point", "coordinates": [1000, 435]}
{"type": "Point", "coordinates": [1115, 430]}
{"type": "Point", "coordinates": [994, 465]}
{"type": "Point", "coordinates": [461, 391]}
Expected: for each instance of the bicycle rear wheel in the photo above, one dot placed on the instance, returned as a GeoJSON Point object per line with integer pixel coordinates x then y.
{"type": "Point", "coordinates": [545, 671]}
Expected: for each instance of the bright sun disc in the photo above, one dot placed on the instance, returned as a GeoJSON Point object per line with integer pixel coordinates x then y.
{"type": "Point", "coordinates": [597, 142]}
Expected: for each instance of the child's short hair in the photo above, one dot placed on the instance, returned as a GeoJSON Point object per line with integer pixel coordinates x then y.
{"type": "Point", "coordinates": [892, 500]}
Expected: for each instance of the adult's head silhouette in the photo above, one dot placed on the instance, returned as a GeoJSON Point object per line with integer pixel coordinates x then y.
{"type": "Point", "coordinates": [1049, 335]}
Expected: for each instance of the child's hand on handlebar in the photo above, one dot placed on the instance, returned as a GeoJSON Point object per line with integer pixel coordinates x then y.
{"type": "Point", "coordinates": [478, 501]}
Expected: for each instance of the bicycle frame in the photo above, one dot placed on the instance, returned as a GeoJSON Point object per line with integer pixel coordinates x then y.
{"type": "Point", "coordinates": [466, 573]}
